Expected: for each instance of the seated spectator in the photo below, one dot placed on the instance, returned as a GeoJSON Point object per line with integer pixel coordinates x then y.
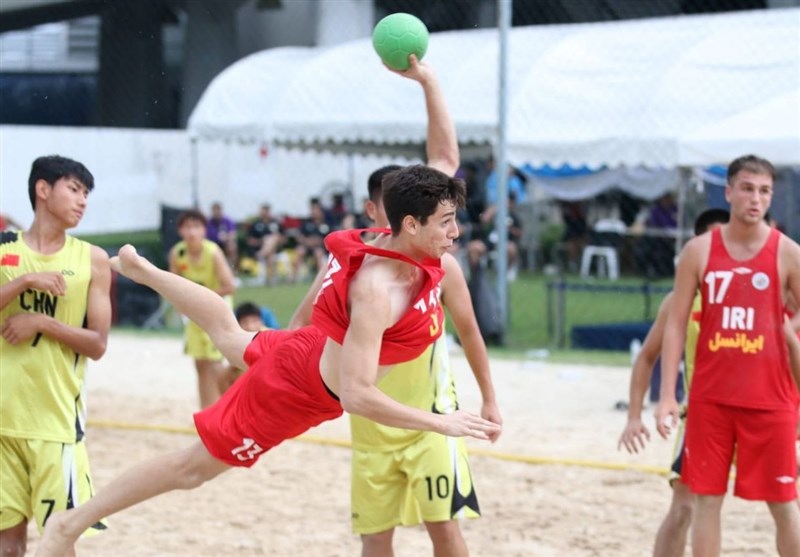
{"type": "Point", "coordinates": [263, 239]}
{"type": "Point", "coordinates": [310, 238]}
{"type": "Point", "coordinates": [338, 210]}
{"type": "Point", "coordinates": [221, 230]}
{"type": "Point", "coordinates": [484, 239]}
{"type": "Point", "coordinates": [655, 250]}
{"type": "Point", "coordinates": [575, 231]}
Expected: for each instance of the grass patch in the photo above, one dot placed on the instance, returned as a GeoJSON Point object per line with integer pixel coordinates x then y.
{"type": "Point", "coordinates": [531, 307]}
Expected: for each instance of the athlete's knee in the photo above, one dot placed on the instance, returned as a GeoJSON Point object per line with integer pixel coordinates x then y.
{"type": "Point", "coordinates": [682, 508]}
{"type": "Point", "coordinates": [378, 544]}
{"type": "Point", "coordinates": [788, 512]}
{"type": "Point", "coordinates": [193, 467]}
{"type": "Point", "coordinates": [446, 534]}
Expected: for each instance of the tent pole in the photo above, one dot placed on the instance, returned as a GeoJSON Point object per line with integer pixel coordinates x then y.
{"type": "Point", "coordinates": [195, 174]}
{"type": "Point", "coordinates": [501, 166]}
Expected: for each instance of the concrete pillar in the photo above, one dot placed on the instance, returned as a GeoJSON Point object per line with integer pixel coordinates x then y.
{"type": "Point", "coordinates": [131, 85]}
{"type": "Point", "coordinates": [344, 20]}
{"type": "Point", "coordinates": [210, 47]}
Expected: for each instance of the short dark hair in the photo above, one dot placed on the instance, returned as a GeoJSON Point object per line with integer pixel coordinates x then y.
{"type": "Point", "coordinates": [751, 163]}
{"type": "Point", "coordinates": [417, 191]}
{"type": "Point", "coordinates": [52, 168]}
{"type": "Point", "coordinates": [247, 309]}
{"type": "Point", "coordinates": [708, 217]}
{"type": "Point", "coordinates": [375, 181]}
{"type": "Point", "coordinates": [192, 214]}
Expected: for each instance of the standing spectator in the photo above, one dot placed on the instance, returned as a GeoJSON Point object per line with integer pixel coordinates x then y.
{"type": "Point", "coordinates": [201, 261]}
{"type": "Point", "coordinates": [263, 240]}
{"type": "Point", "coordinates": [222, 231]}
{"type": "Point", "coordinates": [55, 314]}
{"type": "Point", "coordinates": [516, 184]}
{"type": "Point", "coordinates": [655, 250]}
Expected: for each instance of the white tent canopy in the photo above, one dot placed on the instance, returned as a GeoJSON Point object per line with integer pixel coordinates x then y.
{"type": "Point", "coordinates": [636, 93]}
{"type": "Point", "coordinates": [772, 127]}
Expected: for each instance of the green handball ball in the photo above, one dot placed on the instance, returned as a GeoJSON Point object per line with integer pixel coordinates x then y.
{"type": "Point", "coordinates": [398, 35]}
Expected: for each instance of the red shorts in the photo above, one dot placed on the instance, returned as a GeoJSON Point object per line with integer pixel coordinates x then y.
{"type": "Point", "coordinates": [280, 396]}
{"type": "Point", "coordinates": [766, 461]}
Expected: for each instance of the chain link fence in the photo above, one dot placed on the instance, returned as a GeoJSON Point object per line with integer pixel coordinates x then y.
{"type": "Point", "coordinates": [599, 243]}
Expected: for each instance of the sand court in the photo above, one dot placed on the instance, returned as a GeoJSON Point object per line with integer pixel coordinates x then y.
{"type": "Point", "coordinates": [582, 501]}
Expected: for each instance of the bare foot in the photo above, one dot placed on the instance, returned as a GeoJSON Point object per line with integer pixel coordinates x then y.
{"type": "Point", "coordinates": [128, 263]}
{"type": "Point", "coordinates": [56, 540]}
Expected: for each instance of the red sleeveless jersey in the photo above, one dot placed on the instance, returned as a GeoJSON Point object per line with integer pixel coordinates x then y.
{"type": "Point", "coordinates": [417, 328]}
{"type": "Point", "coordinates": [742, 358]}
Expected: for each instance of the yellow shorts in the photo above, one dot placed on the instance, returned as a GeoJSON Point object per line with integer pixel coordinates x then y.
{"type": "Point", "coordinates": [429, 480]}
{"type": "Point", "coordinates": [677, 450]}
{"type": "Point", "coordinates": [38, 478]}
{"type": "Point", "coordinates": [198, 345]}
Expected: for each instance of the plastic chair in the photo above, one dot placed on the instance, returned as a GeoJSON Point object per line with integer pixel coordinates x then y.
{"type": "Point", "coordinates": [606, 234]}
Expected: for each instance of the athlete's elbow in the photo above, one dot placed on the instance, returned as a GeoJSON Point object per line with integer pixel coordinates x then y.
{"type": "Point", "coordinates": [355, 402]}
{"type": "Point", "coordinates": [97, 350]}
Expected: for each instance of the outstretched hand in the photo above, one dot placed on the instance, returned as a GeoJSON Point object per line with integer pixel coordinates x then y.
{"type": "Point", "coordinates": [417, 71]}
{"type": "Point", "coordinates": [464, 424]}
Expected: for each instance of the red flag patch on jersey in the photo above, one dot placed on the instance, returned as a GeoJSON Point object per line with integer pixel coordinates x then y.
{"type": "Point", "coordinates": [10, 260]}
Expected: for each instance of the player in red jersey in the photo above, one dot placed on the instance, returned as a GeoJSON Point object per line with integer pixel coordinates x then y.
{"type": "Point", "coordinates": [380, 306]}
{"type": "Point", "coordinates": [743, 397]}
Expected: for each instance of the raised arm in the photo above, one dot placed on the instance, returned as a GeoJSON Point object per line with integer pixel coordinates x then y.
{"type": "Point", "coordinates": [442, 144]}
{"type": "Point", "coordinates": [456, 298]}
{"type": "Point", "coordinates": [636, 433]}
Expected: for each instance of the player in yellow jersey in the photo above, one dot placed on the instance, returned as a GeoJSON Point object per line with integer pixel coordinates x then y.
{"type": "Point", "coordinates": [671, 537]}
{"type": "Point", "coordinates": [402, 477]}
{"type": "Point", "coordinates": [201, 261]}
{"type": "Point", "coordinates": [55, 312]}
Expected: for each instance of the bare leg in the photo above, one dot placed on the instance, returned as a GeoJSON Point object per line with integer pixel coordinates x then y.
{"type": "Point", "coordinates": [787, 527]}
{"type": "Point", "coordinates": [377, 545]}
{"type": "Point", "coordinates": [185, 469]}
{"type": "Point", "coordinates": [13, 541]}
{"type": "Point", "coordinates": [707, 531]}
{"type": "Point", "coordinates": [447, 539]}
{"type": "Point", "coordinates": [671, 537]}
{"type": "Point", "coordinates": [201, 305]}
{"type": "Point", "coordinates": [208, 381]}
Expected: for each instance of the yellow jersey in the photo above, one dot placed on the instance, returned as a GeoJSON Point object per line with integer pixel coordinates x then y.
{"type": "Point", "coordinates": [42, 380]}
{"type": "Point", "coordinates": [199, 270]}
{"type": "Point", "coordinates": [426, 383]}
{"type": "Point", "coordinates": [692, 334]}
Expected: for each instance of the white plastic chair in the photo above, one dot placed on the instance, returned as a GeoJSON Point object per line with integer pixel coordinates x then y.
{"type": "Point", "coordinates": [607, 256]}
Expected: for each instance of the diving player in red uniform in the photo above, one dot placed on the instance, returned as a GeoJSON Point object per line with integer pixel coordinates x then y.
{"type": "Point", "coordinates": [379, 306]}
